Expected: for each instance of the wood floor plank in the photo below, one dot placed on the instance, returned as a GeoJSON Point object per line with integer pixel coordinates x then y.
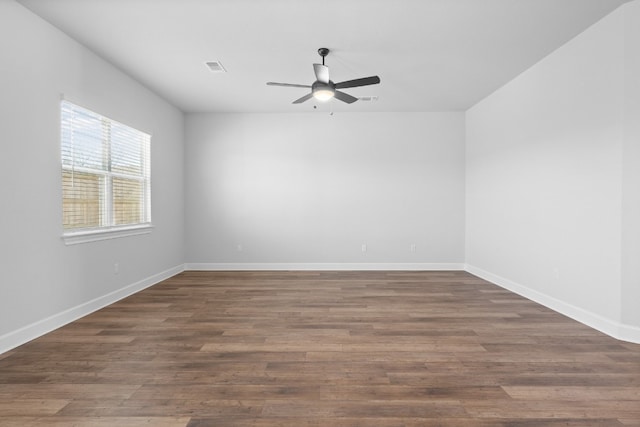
{"type": "Point", "coordinates": [31, 406]}
{"type": "Point", "coordinates": [62, 421]}
{"type": "Point", "coordinates": [369, 348]}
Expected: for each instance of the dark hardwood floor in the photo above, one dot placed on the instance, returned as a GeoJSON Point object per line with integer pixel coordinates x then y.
{"type": "Point", "coordinates": [322, 349]}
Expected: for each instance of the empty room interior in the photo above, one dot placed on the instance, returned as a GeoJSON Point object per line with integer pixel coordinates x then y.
{"type": "Point", "coordinates": [297, 213]}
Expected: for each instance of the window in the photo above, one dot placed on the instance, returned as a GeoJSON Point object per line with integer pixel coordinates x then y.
{"type": "Point", "coordinates": [105, 174]}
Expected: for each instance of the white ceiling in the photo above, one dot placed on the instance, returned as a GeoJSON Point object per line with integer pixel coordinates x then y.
{"type": "Point", "coordinates": [431, 55]}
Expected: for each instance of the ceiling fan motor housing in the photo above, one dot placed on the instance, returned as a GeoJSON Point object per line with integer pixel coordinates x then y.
{"type": "Point", "coordinates": [317, 85]}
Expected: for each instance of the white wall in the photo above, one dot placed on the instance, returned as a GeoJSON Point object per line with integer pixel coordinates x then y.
{"type": "Point", "coordinates": [45, 283]}
{"type": "Point", "coordinates": [631, 169]}
{"type": "Point", "coordinates": [310, 189]}
{"type": "Point", "coordinates": [544, 180]}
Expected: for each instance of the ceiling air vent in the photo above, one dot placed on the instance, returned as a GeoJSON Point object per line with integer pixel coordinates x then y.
{"type": "Point", "coordinates": [216, 67]}
{"type": "Point", "coordinates": [368, 98]}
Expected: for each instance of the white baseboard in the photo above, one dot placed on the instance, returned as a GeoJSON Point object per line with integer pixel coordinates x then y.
{"type": "Point", "coordinates": [323, 266]}
{"type": "Point", "coordinates": [610, 327]}
{"type": "Point", "coordinates": [27, 333]}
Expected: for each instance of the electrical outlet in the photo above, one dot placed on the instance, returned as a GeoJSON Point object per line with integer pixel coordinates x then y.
{"type": "Point", "coordinates": [364, 247]}
{"type": "Point", "coordinates": [413, 247]}
{"type": "Point", "coordinates": [239, 247]}
{"type": "Point", "coordinates": [116, 268]}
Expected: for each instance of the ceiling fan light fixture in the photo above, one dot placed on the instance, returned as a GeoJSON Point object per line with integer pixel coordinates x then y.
{"type": "Point", "coordinates": [323, 94]}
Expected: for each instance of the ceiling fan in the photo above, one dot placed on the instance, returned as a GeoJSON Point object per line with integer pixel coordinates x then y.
{"type": "Point", "coordinates": [323, 89]}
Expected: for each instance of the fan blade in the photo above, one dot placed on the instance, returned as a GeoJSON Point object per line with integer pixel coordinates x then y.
{"type": "Point", "coordinates": [287, 85]}
{"type": "Point", "coordinates": [345, 97]}
{"type": "Point", "coordinates": [304, 98]}
{"type": "Point", "coordinates": [322, 73]}
{"type": "Point", "coordinates": [365, 81]}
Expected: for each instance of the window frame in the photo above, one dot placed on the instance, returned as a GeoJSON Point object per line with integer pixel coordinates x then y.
{"type": "Point", "coordinates": [106, 176]}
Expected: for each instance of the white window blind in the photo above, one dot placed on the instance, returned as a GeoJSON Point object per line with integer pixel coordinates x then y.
{"type": "Point", "coordinates": [105, 172]}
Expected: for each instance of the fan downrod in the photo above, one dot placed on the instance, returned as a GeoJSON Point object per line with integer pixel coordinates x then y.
{"type": "Point", "coordinates": [323, 51]}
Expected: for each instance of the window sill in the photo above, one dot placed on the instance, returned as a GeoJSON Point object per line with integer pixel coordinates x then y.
{"type": "Point", "coordinates": [86, 236]}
